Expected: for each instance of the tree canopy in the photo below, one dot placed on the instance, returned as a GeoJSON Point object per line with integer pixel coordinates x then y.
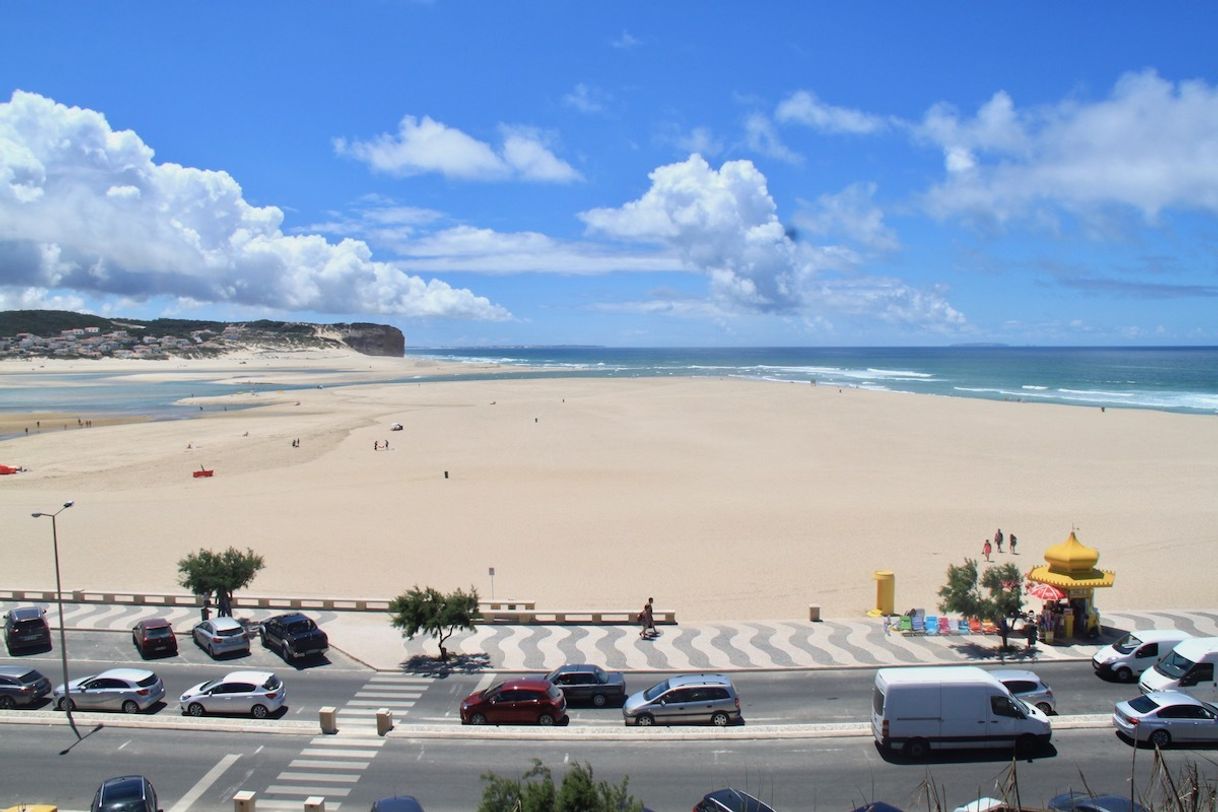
{"type": "Point", "coordinates": [431, 612]}
{"type": "Point", "coordinates": [207, 572]}
{"type": "Point", "coordinates": [535, 792]}
{"type": "Point", "coordinates": [1002, 599]}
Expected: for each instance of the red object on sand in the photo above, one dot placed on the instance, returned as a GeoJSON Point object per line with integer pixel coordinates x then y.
{"type": "Point", "coordinates": [203, 472]}
{"type": "Point", "coordinates": [5, 469]}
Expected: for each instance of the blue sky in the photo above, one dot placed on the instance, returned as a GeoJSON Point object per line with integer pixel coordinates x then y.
{"type": "Point", "coordinates": [627, 174]}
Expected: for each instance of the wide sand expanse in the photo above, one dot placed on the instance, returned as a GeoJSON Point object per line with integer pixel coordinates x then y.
{"type": "Point", "coordinates": [723, 498]}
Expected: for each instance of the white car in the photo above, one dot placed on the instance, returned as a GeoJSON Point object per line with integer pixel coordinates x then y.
{"type": "Point", "coordinates": [221, 635]}
{"type": "Point", "coordinates": [257, 693]}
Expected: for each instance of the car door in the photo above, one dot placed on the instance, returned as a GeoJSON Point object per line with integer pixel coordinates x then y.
{"type": "Point", "coordinates": [88, 694]}
{"type": "Point", "coordinates": [1145, 657]}
{"type": "Point", "coordinates": [202, 633]}
{"type": "Point", "coordinates": [676, 705]}
{"type": "Point", "coordinates": [1004, 722]}
{"type": "Point", "coordinates": [580, 686]}
{"type": "Point", "coordinates": [505, 707]}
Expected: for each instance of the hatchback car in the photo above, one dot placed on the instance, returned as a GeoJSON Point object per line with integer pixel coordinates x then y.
{"type": "Point", "coordinates": [731, 800]}
{"type": "Point", "coordinates": [1076, 801]}
{"type": "Point", "coordinates": [21, 686]}
{"type": "Point", "coordinates": [589, 684]}
{"type": "Point", "coordinates": [25, 628]}
{"type": "Point", "coordinates": [258, 693]}
{"type": "Point", "coordinates": [221, 635]}
{"type": "Point", "coordinates": [1027, 686]}
{"type": "Point", "coordinates": [127, 689]}
{"type": "Point", "coordinates": [688, 698]}
{"type": "Point", "coordinates": [127, 793]}
{"type": "Point", "coordinates": [523, 701]}
{"type": "Point", "coordinates": [1163, 717]}
{"type": "Point", "coordinates": [398, 803]}
{"type": "Point", "coordinates": [154, 635]}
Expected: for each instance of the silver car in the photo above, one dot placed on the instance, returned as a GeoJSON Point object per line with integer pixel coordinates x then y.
{"type": "Point", "coordinates": [1163, 717]}
{"type": "Point", "coordinates": [1027, 686]}
{"type": "Point", "coordinates": [221, 635]}
{"type": "Point", "coordinates": [258, 693]}
{"type": "Point", "coordinates": [684, 699]}
{"type": "Point", "coordinates": [130, 690]}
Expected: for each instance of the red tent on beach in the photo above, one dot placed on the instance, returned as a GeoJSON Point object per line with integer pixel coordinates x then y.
{"type": "Point", "coordinates": [5, 469]}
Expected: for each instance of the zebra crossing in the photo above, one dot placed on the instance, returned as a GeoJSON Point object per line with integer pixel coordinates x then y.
{"type": "Point", "coordinates": [331, 764]}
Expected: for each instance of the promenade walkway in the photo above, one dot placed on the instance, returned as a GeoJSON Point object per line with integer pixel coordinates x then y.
{"type": "Point", "coordinates": [368, 638]}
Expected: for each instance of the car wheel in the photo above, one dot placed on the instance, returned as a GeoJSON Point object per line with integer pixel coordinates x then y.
{"type": "Point", "coordinates": [719, 719]}
{"type": "Point", "coordinates": [1124, 675]}
{"type": "Point", "coordinates": [7, 703]}
{"type": "Point", "coordinates": [259, 711]}
{"type": "Point", "coordinates": [477, 719]}
{"type": "Point", "coordinates": [1160, 738]}
{"type": "Point", "coordinates": [195, 709]}
{"type": "Point", "coordinates": [645, 720]}
{"type": "Point", "coordinates": [66, 704]}
{"type": "Point", "coordinates": [1045, 708]}
{"type": "Point", "coordinates": [545, 719]}
{"type": "Point", "coordinates": [598, 700]}
{"type": "Point", "coordinates": [130, 706]}
{"type": "Point", "coordinates": [1026, 744]}
{"type": "Point", "coordinates": [916, 749]}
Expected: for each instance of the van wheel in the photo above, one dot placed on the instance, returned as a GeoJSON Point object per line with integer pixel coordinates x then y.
{"type": "Point", "coordinates": [645, 720]}
{"type": "Point", "coordinates": [1124, 675]}
{"type": "Point", "coordinates": [916, 749]}
{"type": "Point", "coordinates": [719, 719]}
{"type": "Point", "coordinates": [1160, 739]}
{"type": "Point", "coordinates": [1026, 744]}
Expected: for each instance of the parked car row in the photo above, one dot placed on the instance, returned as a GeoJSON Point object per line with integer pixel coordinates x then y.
{"type": "Point", "coordinates": [134, 690]}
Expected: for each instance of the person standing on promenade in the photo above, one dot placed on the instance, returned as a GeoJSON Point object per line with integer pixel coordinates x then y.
{"type": "Point", "coordinates": [1011, 546]}
{"type": "Point", "coordinates": [651, 618]}
{"type": "Point", "coordinates": [998, 539]}
{"type": "Point", "coordinates": [646, 620]}
{"type": "Point", "coordinates": [986, 549]}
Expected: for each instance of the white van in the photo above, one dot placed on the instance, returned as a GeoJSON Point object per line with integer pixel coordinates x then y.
{"type": "Point", "coordinates": [960, 706]}
{"type": "Point", "coordinates": [1137, 651]}
{"type": "Point", "coordinates": [1190, 666]}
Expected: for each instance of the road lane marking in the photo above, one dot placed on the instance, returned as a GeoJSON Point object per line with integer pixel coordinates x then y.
{"type": "Point", "coordinates": [202, 785]}
{"type": "Point", "coordinates": [322, 751]}
{"type": "Point", "coordinates": [320, 778]}
{"type": "Point", "coordinates": [282, 789]}
{"type": "Point", "coordinates": [310, 764]}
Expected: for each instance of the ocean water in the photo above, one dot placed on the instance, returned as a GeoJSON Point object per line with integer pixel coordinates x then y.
{"type": "Point", "coordinates": [1176, 379]}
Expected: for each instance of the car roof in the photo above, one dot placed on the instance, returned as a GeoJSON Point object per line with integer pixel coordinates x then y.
{"type": "Point", "coordinates": [1001, 674]}
{"type": "Point", "coordinates": [124, 786]}
{"type": "Point", "coordinates": [17, 670]}
{"type": "Point", "coordinates": [290, 617]}
{"type": "Point", "coordinates": [575, 668]}
{"type": "Point", "coordinates": [398, 803]}
{"type": "Point", "coordinates": [154, 623]}
{"type": "Point", "coordinates": [224, 623]}
{"type": "Point", "coordinates": [1077, 799]}
{"type": "Point", "coordinates": [683, 680]}
{"type": "Point", "coordinates": [1173, 698]}
{"type": "Point", "coordinates": [1159, 635]}
{"type": "Point", "coordinates": [256, 677]}
{"type": "Point", "coordinates": [528, 683]}
{"type": "Point", "coordinates": [26, 612]}
{"type": "Point", "coordinates": [130, 674]}
{"type": "Point", "coordinates": [737, 801]}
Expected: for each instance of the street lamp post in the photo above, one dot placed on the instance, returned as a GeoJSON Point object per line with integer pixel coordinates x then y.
{"type": "Point", "coordinates": [63, 640]}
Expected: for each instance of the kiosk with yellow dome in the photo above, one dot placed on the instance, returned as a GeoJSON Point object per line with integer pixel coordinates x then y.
{"type": "Point", "coordinates": [1071, 575]}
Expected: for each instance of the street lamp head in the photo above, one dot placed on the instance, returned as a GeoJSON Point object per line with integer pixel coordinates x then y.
{"type": "Point", "coordinates": [37, 515]}
{"type": "Point", "coordinates": [68, 504]}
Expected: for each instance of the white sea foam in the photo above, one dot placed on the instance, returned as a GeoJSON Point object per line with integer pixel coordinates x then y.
{"type": "Point", "coordinates": [1034, 388]}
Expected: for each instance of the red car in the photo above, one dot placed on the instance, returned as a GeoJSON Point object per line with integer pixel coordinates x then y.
{"type": "Point", "coordinates": [516, 701]}
{"type": "Point", "coordinates": [154, 635]}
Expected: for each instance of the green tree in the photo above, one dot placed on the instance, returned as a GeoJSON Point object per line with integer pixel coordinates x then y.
{"type": "Point", "coordinates": [207, 572]}
{"type": "Point", "coordinates": [535, 792]}
{"type": "Point", "coordinates": [1002, 599]}
{"type": "Point", "coordinates": [438, 615]}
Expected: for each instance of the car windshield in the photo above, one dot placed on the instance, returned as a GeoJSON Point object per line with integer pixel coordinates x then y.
{"type": "Point", "coordinates": [29, 677]}
{"type": "Point", "coordinates": [124, 795]}
{"type": "Point", "coordinates": [207, 686]}
{"type": "Point", "coordinates": [158, 632]}
{"type": "Point", "coordinates": [148, 681]}
{"type": "Point", "coordinates": [554, 692]}
{"type": "Point", "coordinates": [1127, 643]}
{"type": "Point", "coordinates": [1143, 704]}
{"type": "Point", "coordinates": [303, 626]}
{"type": "Point", "coordinates": [233, 632]}
{"type": "Point", "coordinates": [27, 625]}
{"type": "Point", "coordinates": [655, 690]}
{"type": "Point", "coordinates": [272, 684]}
{"type": "Point", "coordinates": [553, 675]}
{"type": "Point", "coordinates": [1175, 666]}
{"type": "Point", "coordinates": [601, 676]}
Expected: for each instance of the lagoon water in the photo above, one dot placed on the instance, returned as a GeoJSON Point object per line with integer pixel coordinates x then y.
{"type": "Point", "coordinates": [1177, 379]}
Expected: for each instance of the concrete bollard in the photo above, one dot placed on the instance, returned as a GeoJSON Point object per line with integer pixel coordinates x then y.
{"type": "Point", "coordinates": [329, 720]}
{"type": "Point", "coordinates": [315, 803]}
{"type": "Point", "coordinates": [243, 801]}
{"type": "Point", "coordinates": [384, 721]}
{"type": "Point", "coordinates": [814, 613]}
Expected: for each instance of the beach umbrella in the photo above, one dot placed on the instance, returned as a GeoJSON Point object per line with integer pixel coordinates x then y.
{"type": "Point", "coordinates": [1045, 592]}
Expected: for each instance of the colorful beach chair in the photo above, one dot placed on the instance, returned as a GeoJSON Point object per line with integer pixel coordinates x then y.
{"type": "Point", "coordinates": [932, 624]}
{"type": "Point", "coordinates": [945, 625]}
{"type": "Point", "coordinates": [962, 625]}
{"type": "Point", "coordinates": [974, 626]}
{"type": "Point", "coordinates": [906, 626]}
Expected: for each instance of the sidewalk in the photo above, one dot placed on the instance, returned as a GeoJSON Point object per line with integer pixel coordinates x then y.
{"type": "Point", "coordinates": [368, 638]}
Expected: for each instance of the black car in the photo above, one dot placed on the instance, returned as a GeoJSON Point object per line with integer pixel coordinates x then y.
{"type": "Point", "coordinates": [582, 684]}
{"type": "Point", "coordinates": [21, 686]}
{"type": "Point", "coordinates": [26, 628]}
{"type": "Point", "coordinates": [294, 635]}
{"type": "Point", "coordinates": [127, 793]}
{"type": "Point", "coordinates": [398, 803]}
{"type": "Point", "coordinates": [731, 800]}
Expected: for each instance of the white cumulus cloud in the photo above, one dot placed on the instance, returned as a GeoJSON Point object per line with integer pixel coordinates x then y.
{"type": "Point", "coordinates": [425, 145]}
{"type": "Point", "coordinates": [852, 214]}
{"type": "Point", "coordinates": [86, 208]}
{"type": "Point", "coordinates": [803, 107]}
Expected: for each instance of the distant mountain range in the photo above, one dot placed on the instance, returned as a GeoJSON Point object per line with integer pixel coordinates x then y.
{"type": "Point", "coordinates": [64, 333]}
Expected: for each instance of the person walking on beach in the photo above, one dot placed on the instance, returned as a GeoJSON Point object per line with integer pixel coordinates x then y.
{"type": "Point", "coordinates": [646, 620]}
{"type": "Point", "coordinates": [1011, 546]}
{"type": "Point", "coordinates": [986, 549]}
{"type": "Point", "coordinates": [998, 539]}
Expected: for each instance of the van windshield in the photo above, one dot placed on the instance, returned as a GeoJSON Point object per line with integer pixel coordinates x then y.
{"type": "Point", "coordinates": [1175, 666]}
{"type": "Point", "coordinates": [1127, 643]}
{"type": "Point", "coordinates": [656, 690]}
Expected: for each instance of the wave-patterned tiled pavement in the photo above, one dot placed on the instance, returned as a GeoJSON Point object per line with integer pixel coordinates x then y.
{"type": "Point", "coordinates": [369, 638]}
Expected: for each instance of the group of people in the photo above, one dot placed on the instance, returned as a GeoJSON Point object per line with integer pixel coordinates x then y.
{"type": "Point", "coordinates": [987, 548]}
{"type": "Point", "coordinates": [377, 445]}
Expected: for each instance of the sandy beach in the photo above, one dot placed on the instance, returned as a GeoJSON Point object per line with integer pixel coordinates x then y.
{"type": "Point", "coordinates": [723, 498]}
